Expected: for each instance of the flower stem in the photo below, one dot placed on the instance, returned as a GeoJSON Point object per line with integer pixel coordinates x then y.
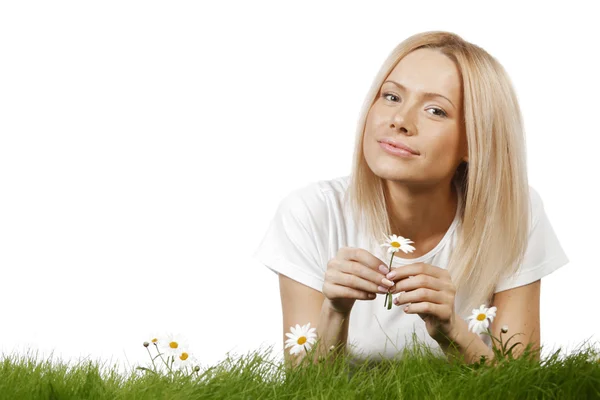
{"type": "Point", "coordinates": [163, 360]}
{"type": "Point", "coordinates": [389, 299]}
{"type": "Point", "coordinates": [154, 365]}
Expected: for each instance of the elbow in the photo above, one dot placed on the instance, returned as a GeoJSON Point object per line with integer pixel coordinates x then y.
{"type": "Point", "coordinates": [531, 351]}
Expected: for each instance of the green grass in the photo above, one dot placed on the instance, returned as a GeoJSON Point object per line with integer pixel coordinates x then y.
{"type": "Point", "coordinates": [418, 374]}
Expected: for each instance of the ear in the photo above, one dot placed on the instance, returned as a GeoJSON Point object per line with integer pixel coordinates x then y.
{"type": "Point", "coordinates": [466, 158]}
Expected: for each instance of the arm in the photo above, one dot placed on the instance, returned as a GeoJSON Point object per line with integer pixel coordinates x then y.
{"type": "Point", "coordinates": [519, 308]}
{"type": "Point", "coordinates": [301, 304]}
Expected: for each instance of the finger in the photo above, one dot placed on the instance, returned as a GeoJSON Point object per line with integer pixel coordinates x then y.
{"type": "Point", "coordinates": [338, 291]}
{"type": "Point", "coordinates": [376, 278]}
{"type": "Point", "coordinates": [362, 256]}
{"type": "Point", "coordinates": [440, 311]}
{"type": "Point", "coordinates": [356, 282]}
{"type": "Point", "coordinates": [423, 281]}
{"type": "Point", "coordinates": [422, 295]}
{"type": "Point", "coordinates": [405, 271]}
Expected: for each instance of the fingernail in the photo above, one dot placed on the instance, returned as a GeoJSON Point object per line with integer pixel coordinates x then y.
{"type": "Point", "coordinates": [383, 269]}
{"type": "Point", "coordinates": [382, 289]}
{"type": "Point", "coordinates": [387, 282]}
{"type": "Point", "coordinates": [391, 275]}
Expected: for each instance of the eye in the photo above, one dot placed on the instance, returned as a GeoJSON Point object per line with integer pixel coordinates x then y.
{"type": "Point", "coordinates": [439, 112]}
{"type": "Point", "coordinates": [385, 96]}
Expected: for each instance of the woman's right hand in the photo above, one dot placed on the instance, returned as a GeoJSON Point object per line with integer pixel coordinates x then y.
{"type": "Point", "coordinates": [354, 274]}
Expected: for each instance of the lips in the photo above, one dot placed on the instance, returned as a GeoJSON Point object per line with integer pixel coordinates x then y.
{"type": "Point", "coordinates": [399, 145]}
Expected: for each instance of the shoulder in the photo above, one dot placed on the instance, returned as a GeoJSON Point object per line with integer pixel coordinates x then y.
{"type": "Point", "coordinates": [543, 254]}
{"type": "Point", "coordinates": [316, 198]}
{"type": "Point", "coordinates": [536, 206]}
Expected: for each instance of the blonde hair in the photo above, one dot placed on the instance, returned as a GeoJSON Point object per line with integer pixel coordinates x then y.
{"type": "Point", "coordinates": [492, 235]}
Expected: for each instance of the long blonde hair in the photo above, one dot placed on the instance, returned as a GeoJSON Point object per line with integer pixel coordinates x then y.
{"type": "Point", "coordinates": [494, 227]}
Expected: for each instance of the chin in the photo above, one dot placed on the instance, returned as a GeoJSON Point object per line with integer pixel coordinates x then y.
{"type": "Point", "coordinates": [391, 172]}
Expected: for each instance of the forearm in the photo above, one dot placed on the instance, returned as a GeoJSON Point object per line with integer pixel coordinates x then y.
{"type": "Point", "coordinates": [332, 331]}
{"type": "Point", "coordinates": [466, 345]}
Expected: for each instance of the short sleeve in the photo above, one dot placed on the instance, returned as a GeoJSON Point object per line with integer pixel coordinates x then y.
{"type": "Point", "coordinates": [544, 253]}
{"type": "Point", "coordinates": [295, 243]}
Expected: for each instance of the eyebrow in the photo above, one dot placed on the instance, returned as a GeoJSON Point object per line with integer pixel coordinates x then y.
{"type": "Point", "coordinates": [426, 94]}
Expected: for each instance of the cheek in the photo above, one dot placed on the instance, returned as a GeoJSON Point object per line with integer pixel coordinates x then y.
{"type": "Point", "coordinates": [444, 147]}
{"type": "Point", "coordinates": [376, 116]}
{"type": "Point", "coordinates": [370, 131]}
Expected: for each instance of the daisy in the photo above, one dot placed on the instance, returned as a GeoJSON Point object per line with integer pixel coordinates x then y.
{"type": "Point", "coordinates": [172, 345]}
{"type": "Point", "coordinates": [479, 319]}
{"type": "Point", "coordinates": [396, 243]}
{"type": "Point", "coordinates": [155, 338]}
{"type": "Point", "coordinates": [301, 338]}
{"type": "Point", "coordinates": [184, 360]}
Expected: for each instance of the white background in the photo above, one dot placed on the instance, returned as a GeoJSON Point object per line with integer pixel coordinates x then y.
{"type": "Point", "coordinates": [145, 146]}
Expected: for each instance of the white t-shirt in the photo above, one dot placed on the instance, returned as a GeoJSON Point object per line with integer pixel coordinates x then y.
{"type": "Point", "coordinates": [310, 226]}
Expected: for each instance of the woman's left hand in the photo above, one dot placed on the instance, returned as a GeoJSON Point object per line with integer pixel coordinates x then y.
{"type": "Point", "coordinates": [431, 293]}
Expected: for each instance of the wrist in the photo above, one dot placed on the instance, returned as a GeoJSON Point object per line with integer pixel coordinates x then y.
{"type": "Point", "coordinates": [332, 309]}
{"type": "Point", "coordinates": [454, 335]}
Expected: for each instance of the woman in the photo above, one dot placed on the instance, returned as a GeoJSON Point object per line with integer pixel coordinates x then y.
{"type": "Point", "coordinates": [439, 159]}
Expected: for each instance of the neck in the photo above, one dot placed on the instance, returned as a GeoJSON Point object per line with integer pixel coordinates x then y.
{"type": "Point", "coordinates": [421, 214]}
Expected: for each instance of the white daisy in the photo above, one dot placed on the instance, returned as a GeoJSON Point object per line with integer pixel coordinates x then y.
{"type": "Point", "coordinates": [185, 360]}
{"type": "Point", "coordinates": [155, 339]}
{"type": "Point", "coordinates": [301, 338]}
{"type": "Point", "coordinates": [480, 319]}
{"type": "Point", "coordinates": [396, 243]}
{"type": "Point", "coordinates": [172, 345]}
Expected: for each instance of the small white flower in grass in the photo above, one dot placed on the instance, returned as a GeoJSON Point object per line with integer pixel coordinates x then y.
{"type": "Point", "coordinates": [504, 328]}
{"type": "Point", "coordinates": [172, 345]}
{"type": "Point", "coordinates": [301, 338]}
{"type": "Point", "coordinates": [480, 319]}
{"type": "Point", "coordinates": [185, 360]}
{"type": "Point", "coordinates": [397, 243]}
{"type": "Point", "coordinates": [155, 339]}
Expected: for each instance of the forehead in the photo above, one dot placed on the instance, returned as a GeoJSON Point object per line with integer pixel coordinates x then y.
{"type": "Point", "coordinates": [428, 70]}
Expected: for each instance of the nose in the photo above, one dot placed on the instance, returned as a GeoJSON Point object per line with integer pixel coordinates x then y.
{"type": "Point", "coordinates": [401, 123]}
{"type": "Point", "coordinates": [401, 128]}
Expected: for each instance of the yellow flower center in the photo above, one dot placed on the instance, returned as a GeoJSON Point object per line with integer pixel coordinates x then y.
{"type": "Point", "coordinates": [395, 244]}
{"type": "Point", "coordinates": [154, 340]}
{"type": "Point", "coordinates": [184, 356]}
{"type": "Point", "coordinates": [173, 345]}
{"type": "Point", "coordinates": [302, 340]}
{"type": "Point", "coordinates": [481, 317]}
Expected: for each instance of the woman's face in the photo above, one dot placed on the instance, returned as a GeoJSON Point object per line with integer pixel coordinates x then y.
{"type": "Point", "coordinates": [419, 105]}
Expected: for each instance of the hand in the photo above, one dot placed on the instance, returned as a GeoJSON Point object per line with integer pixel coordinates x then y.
{"type": "Point", "coordinates": [354, 274]}
{"type": "Point", "coordinates": [432, 294]}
